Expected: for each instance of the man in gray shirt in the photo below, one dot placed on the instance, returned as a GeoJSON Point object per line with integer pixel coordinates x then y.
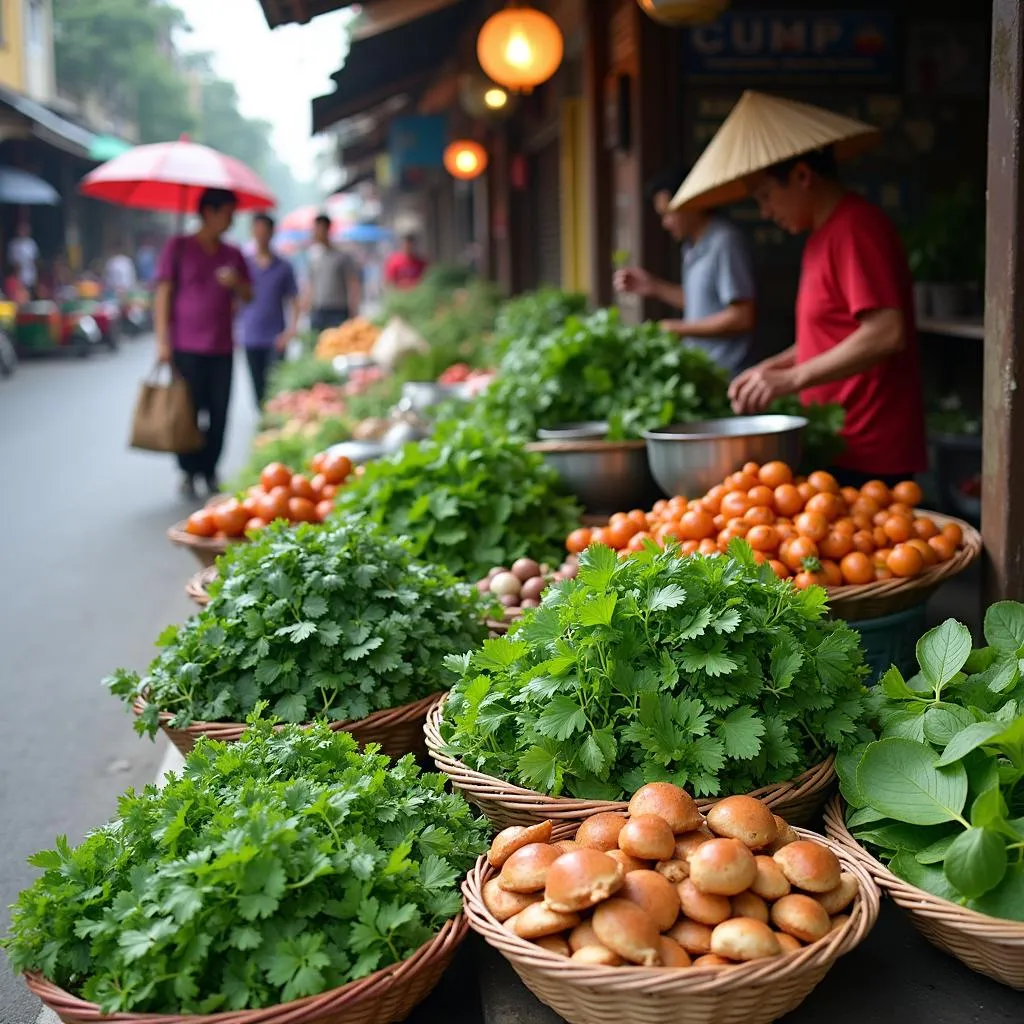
{"type": "Point", "coordinates": [333, 290]}
{"type": "Point", "coordinates": [717, 291]}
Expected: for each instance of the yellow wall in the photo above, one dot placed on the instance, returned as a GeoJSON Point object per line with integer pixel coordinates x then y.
{"type": "Point", "coordinates": [576, 239]}
{"type": "Point", "coordinates": [12, 45]}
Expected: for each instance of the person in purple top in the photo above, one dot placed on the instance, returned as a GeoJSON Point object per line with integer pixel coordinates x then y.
{"type": "Point", "coordinates": [200, 279]}
{"type": "Point", "coordinates": [263, 326]}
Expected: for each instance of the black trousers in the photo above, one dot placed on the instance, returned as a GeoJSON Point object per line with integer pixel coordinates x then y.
{"type": "Point", "coordinates": [260, 361]}
{"type": "Point", "coordinates": [327, 316]}
{"type": "Point", "coordinates": [209, 381]}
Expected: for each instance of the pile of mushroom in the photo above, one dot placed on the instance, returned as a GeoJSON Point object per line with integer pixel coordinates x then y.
{"type": "Point", "coordinates": [662, 886]}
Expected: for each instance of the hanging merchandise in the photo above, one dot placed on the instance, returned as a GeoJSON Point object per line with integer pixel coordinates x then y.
{"type": "Point", "coordinates": [520, 47]}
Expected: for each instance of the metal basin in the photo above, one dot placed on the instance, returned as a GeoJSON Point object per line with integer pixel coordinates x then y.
{"type": "Point", "coordinates": [594, 431]}
{"type": "Point", "coordinates": [358, 451]}
{"type": "Point", "coordinates": [690, 458]}
{"type": "Point", "coordinates": [606, 476]}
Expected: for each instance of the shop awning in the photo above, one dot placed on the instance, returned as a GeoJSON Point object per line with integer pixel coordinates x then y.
{"type": "Point", "coordinates": [394, 62]}
{"type": "Point", "coordinates": [48, 126]}
{"type": "Point", "coordinates": [283, 12]}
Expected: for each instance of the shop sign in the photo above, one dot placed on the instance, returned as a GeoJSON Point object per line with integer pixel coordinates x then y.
{"type": "Point", "coordinates": [793, 44]}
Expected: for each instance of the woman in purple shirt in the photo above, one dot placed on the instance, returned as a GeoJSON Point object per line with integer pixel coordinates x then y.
{"type": "Point", "coordinates": [262, 323]}
{"type": "Point", "coordinates": [200, 278]}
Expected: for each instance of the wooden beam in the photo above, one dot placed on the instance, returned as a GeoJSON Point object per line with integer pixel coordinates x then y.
{"type": "Point", "coordinates": [1003, 451]}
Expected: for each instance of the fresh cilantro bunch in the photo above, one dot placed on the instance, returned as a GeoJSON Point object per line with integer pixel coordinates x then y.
{"type": "Point", "coordinates": [707, 672]}
{"type": "Point", "coordinates": [522, 321]}
{"type": "Point", "coordinates": [598, 368]}
{"type": "Point", "coordinates": [336, 620]}
{"type": "Point", "coordinates": [271, 869]}
{"type": "Point", "coordinates": [467, 500]}
{"type": "Point", "coordinates": [940, 794]}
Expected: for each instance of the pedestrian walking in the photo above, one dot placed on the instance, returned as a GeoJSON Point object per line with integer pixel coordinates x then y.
{"type": "Point", "coordinates": [334, 290]}
{"type": "Point", "coordinates": [405, 268]}
{"type": "Point", "coordinates": [119, 275]}
{"type": "Point", "coordinates": [200, 279]}
{"type": "Point", "coordinates": [270, 321]}
{"type": "Point", "coordinates": [23, 252]}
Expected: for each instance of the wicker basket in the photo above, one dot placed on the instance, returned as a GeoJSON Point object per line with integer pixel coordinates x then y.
{"type": "Point", "coordinates": [504, 803]}
{"type": "Point", "coordinates": [752, 993]}
{"type": "Point", "coordinates": [988, 945]}
{"type": "Point", "coordinates": [385, 996]}
{"type": "Point", "coordinates": [886, 597]}
{"type": "Point", "coordinates": [206, 549]}
{"type": "Point", "coordinates": [399, 731]}
{"type": "Point", "coordinates": [198, 584]}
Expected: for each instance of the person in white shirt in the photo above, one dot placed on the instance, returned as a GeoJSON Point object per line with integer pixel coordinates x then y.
{"type": "Point", "coordinates": [119, 274]}
{"type": "Point", "coordinates": [23, 252]}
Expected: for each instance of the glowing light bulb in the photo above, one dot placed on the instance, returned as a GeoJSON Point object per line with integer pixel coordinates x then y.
{"type": "Point", "coordinates": [466, 161]}
{"type": "Point", "coordinates": [518, 50]}
{"type": "Point", "coordinates": [496, 99]}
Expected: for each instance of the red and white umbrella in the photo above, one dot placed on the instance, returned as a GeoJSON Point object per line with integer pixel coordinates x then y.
{"type": "Point", "coordinates": [171, 176]}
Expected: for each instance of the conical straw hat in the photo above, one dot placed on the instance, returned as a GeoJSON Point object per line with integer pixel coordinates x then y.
{"type": "Point", "coordinates": [761, 131]}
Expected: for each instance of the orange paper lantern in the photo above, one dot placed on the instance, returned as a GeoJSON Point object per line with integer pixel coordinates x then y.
{"type": "Point", "coordinates": [520, 47]}
{"type": "Point", "coordinates": [465, 159]}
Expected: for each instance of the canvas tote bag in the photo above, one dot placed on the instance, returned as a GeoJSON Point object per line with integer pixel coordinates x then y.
{"type": "Point", "coordinates": [165, 419]}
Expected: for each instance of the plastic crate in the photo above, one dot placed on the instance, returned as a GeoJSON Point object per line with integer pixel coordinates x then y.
{"type": "Point", "coordinates": [892, 640]}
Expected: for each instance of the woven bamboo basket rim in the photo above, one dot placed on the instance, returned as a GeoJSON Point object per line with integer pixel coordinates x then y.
{"type": "Point", "coordinates": [844, 601]}
{"type": "Point", "coordinates": [178, 534]}
{"type": "Point", "coordinates": [229, 732]}
{"type": "Point", "coordinates": [648, 982]}
{"type": "Point", "coordinates": [198, 585]}
{"type": "Point", "coordinates": [431, 955]}
{"type": "Point", "coordinates": [586, 446]}
{"type": "Point", "coordinates": [920, 901]}
{"type": "Point", "coordinates": [558, 808]}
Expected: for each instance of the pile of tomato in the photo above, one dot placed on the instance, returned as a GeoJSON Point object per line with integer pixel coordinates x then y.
{"type": "Point", "coordinates": [807, 528]}
{"type": "Point", "coordinates": [280, 494]}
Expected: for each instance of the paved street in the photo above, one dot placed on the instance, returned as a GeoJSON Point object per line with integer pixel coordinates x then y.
{"type": "Point", "coordinates": [88, 581]}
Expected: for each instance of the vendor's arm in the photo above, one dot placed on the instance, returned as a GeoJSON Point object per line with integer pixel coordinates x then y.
{"type": "Point", "coordinates": [636, 281]}
{"type": "Point", "coordinates": [166, 272]}
{"type": "Point", "coordinates": [736, 319]}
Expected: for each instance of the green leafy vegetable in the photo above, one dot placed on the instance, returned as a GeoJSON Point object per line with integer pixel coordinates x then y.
{"type": "Point", "coordinates": [465, 500]}
{"type": "Point", "coordinates": [940, 794]}
{"type": "Point", "coordinates": [707, 672]}
{"type": "Point", "coordinates": [271, 869]}
{"type": "Point", "coordinates": [335, 620]}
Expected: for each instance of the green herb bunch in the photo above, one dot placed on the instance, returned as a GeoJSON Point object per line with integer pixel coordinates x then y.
{"type": "Point", "coordinates": [466, 500]}
{"type": "Point", "coordinates": [939, 795]}
{"type": "Point", "coordinates": [335, 620]}
{"type": "Point", "coordinates": [522, 321]}
{"type": "Point", "coordinates": [707, 672]}
{"type": "Point", "coordinates": [598, 368]}
{"type": "Point", "coordinates": [271, 869]}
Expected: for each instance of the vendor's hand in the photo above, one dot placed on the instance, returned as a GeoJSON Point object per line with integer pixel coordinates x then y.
{"type": "Point", "coordinates": [282, 340]}
{"type": "Point", "coordinates": [633, 281]}
{"type": "Point", "coordinates": [755, 389]}
{"type": "Point", "coordinates": [673, 326]}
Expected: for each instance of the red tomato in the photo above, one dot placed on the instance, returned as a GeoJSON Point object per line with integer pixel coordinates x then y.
{"type": "Point", "coordinates": [276, 474]}
{"type": "Point", "coordinates": [302, 488]}
{"type": "Point", "coordinates": [301, 510]}
{"type": "Point", "coordinates": [577, 541]}
{"type": "Point", "coordinates": [230, 517]}
{"type": "Point", "coordinates": [255, 524]}
{"type": "Point", "coordinates": [336, 468]}
{"type": "Point", "coordinates": [324, 509]}
{"type": "Point", "coordinates": [201, 523]}
{"type": "Point", "coordinates": [274, 505]}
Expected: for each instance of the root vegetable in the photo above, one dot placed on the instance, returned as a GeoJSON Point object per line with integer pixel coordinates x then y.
{"type": "Point", "coordinates": [524, 569]}
{"type": "Point", "coordinates": [505, 584]}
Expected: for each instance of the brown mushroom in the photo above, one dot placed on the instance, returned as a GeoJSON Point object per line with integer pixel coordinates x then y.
{"type": "Point", "coordinates": [581, 878]}
{"type": "Point", "coordinates": [802, 917]}
{"type": "Point", "coordinates": [702, 907]}
{"type": "Point", "coordinates": [743, 938]}
{"type": "Point", "coordinates": [670, 803]}
{"type": "Point", "coordinates": [515, 838]}
{"type": "Point", "coordinates": [809, 866]}
{"type": "Point", "coordinates": [503, 904]}
{"type": "Point", "coordinates": [672, 954]}
{"type": "Point", "coordinates": [693, 936]}
{"type": "Point", "coordinates": [647, 837]}
{"type": "Point", "coordinates": [538, 921]}
{"type": "Point", "coordinates": [722, 867]}
{"type": "Point", "coordinates": [836, 900]}
{"type": "Point", "coordinates": [744, 818]}
{"type": "Point", "coordinates": [601, 831]}
{"type": "Point", "coordinates": [527, 869]}
{"type": "Point", "coordinates": [627, 930]}
{"type": "Point", "coordinates": [654, 894]}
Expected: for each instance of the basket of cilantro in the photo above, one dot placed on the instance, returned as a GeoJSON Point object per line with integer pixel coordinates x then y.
{"type": "Point", "coordinates": [285, 878]}
{"type": "Point", "coordinates": [934, 805]}
{"type": "Point", "coordinates": [707, 672]}
{"type": "Point", "coordinates": [465, 500]}
{"type": "Point", "coordinates": [340, 622]}
{"type": "Point", "coordinates": [198, 586]}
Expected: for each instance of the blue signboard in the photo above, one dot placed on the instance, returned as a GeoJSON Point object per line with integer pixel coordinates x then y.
{"type": "Point", "coordinates": [793, 44]}
{"type": "Point", "coordinates": [417, 142]}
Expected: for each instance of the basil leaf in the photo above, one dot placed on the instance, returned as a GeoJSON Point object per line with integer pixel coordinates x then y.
{"type": "Point", "coordinates": [943, 651]}
{"type": "Point", "coordinates": [899, 778]}
{"type": "Point", "coordinates": [976, 861]}
{"type": "Point", "coordinates": [1004, 626]}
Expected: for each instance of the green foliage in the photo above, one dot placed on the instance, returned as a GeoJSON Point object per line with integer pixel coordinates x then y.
{"type": "Point", "coordinates": [938, 795]}
{"type": "Point", "coordinates": [707, 672]}
{"type": "Point", "coordinates": [300, 374]}
{"type": "Point", "coordinates": [338, 621]}
{"type": "Point", "coordinates": [821, 440]}
{"type": "Point", "coordinates": [466, 500]}
{"type": "Point", "coordinates": [522, 321]}
{"type": "Point", "coordinates": [271, 869]}
{"type": "Point", "coordinates": [597, 368]}
{"type": "Point", "coordinates": [947, 244]}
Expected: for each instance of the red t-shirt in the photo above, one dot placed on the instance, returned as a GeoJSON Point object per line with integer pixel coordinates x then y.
{"type": "Point", "coordinates": [852, 264]}
{"type": "Point", "coordinates": [403, 271]}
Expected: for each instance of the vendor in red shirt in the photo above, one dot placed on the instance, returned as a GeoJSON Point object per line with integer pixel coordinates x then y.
{"type": "Point", "coordinates": [403, 269]}
{"type": "Point", "coordinates": [856, 339]}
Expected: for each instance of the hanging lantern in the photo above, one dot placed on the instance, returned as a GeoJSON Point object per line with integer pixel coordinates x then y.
{"type": "Point", "coordinates": [684, 12]}
{"type": "Point", "coordinates": [520, 47]}
{"type": "Point", "coordinates": [485, 100]}
{"type": "Point", "coordinates": [465, 159]}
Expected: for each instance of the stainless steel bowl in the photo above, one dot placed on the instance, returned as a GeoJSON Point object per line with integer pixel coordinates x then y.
{"type": "Point", "coordinates": [423, 395]}
{"type": "Point", "coordinates": [606, 476]}
{"type": "Point", "coordinates": [358, 451]}
{"type": "Point", "coordinates": [690, 458]}
{"type": "Point", "coordinates": [597, 430]}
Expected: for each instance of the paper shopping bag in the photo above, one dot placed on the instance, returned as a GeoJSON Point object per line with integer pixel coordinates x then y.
{"type": "Point", "coordinates": [165, 419]}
